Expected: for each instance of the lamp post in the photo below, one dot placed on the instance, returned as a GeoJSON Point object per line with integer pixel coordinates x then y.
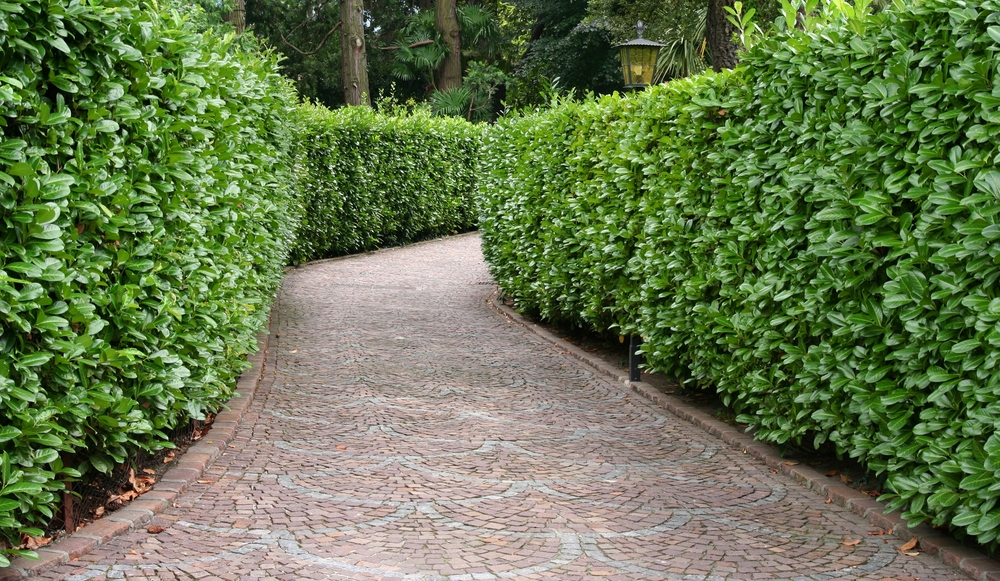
{"type": "Point", "coordinates": [639, 59]}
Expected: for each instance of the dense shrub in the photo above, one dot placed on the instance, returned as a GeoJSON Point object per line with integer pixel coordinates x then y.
{"type": "Point", "coordinates": [815, 234]}
{"type": "Point", "coordinates": [144, 188]}
{"type": "Point", "coordinates": [371, 180]}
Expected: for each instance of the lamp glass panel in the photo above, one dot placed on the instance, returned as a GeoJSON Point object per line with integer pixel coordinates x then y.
{"type": "Point", "coordinates": [638, 64]}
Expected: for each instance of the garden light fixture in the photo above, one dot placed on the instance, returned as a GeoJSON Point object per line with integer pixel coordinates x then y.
{"type": "Point", "coordinates": [639, 59]}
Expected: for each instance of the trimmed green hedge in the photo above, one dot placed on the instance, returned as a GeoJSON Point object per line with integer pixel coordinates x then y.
{"type": "Point", "coordinates": [371, 180]}
{"type": "Point", "coordinates": [816, 235]}
{"type": "Point", "coordinates": [144, 189]}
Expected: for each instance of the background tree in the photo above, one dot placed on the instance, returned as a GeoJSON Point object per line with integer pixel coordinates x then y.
{"type": "Point", "coordinates": [353, 55]}
{"type": "Point", "coordinates": [301, 31]}
{"type": "Point", "coordinates": [449, 72]}
{"type": "Point", "coordinates": [562, 53]}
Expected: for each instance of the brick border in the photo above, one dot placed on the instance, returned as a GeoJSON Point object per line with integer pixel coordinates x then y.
{"type": "Point", "coordinates": [951, 551]}
{"type": "Point", "coordinates": [189, 467]}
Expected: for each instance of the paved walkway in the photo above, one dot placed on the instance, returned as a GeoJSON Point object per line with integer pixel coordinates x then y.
{"type": "Point", "coordinates": [409, 432]}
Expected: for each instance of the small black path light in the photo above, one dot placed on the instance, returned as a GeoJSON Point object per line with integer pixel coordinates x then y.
{"type": "Point", "coordinates": [634, 358]}
{"type": "Point", "coordinates": [639, 59]}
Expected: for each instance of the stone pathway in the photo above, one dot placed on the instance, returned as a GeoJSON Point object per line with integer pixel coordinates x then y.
{"type": "Point", "coordinates": [409, 432]}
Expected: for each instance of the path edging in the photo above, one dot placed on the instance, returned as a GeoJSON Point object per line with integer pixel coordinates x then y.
{"type": "Point", "coordinates": [951, 551]}
{"type": "Point", "coordinates": [188, 469]}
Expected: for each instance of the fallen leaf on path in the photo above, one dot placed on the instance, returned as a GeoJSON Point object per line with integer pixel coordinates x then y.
{"type": "Point", "coordinates": [341, 447]}
{"type": "Point", "coordinates": [204, 482]}
{"type": "Point", "coordinates": [32, 543]}
{"type": "Point", "coordinates": [155, 529]}
{"type": "Point", "coordinates": [791, 463]}
{"type": "Point", "coordinates": [853, 543]}
{"type": "Point", "coordinates": [846, 479]}
{"type": "Point", "coordinates": [911, 553]}
{"type": "Point", "coordinates": [833, 473]}
{"type": "Point", "coordinates": [910, 544]}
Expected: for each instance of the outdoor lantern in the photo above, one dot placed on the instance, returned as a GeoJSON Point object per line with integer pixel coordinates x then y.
{"type": "Point", "coordinates": [639, 59]}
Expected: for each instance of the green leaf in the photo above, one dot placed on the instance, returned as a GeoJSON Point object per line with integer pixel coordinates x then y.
{"type": "Point", "coordinates": [8, 433]}
{"type": "Point", "coordinates": [34, 359]}
{"type": "Point", "coordinates": [989, 521]}
{"type": "Point", "coordinates": [977, 481]}
{"type": "Point", "coordinates": [21, 488]}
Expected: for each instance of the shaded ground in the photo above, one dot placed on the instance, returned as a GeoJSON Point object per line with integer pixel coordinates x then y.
{"type": "Point", "coordinates": [409, 432]}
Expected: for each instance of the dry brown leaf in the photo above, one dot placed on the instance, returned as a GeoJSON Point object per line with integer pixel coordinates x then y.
{"type": "Point", "coordinates": [911, 553]}
{"type": "Point", "coordinates": [910, 544]}
{"type": "Point", "coordinates": [833, 473]}
{"type": "Point", "coordinates": [790, 463]}
{"type": "Point", "coordinates": [853, 543]}
{"type": "Point", "coordinates": [874, 533]}
{"type": "Point", "coordinates": [155, 530]}
{"type": "Point", "coordinates": [32, 543]}
{"type": "Point", "coordinates": [341, 447]}
{"type": "Point", "coordinates": [846, 479]}
{"type": "Point", "coordinates": [148, 471]}
{"type": "Point", "coordinates": [169, 457]}
{"type": "Point", "coordinates": [829, 500]}
{"type": "Point", "coordinates": [204, 482]}
{"type": "Point", "coordinates": [133, 551]}
{"type": "Point", "coordinates": [99, 511]}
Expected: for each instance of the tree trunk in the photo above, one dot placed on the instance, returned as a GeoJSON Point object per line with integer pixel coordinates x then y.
{"type": "Point", "coordinates": [355, 61]}
{"type": "Point", "coordinates": [719, 36]}
{"type": "Point", "coordinates": [238, 17]}
{"type": "Point", "coordinates": [449, 73]}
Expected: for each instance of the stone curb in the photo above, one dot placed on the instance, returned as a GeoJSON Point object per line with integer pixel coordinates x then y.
{"type": "Point", "coordinates": [188, 468]}
{"type": "Point", "coordinates": [933, 542]}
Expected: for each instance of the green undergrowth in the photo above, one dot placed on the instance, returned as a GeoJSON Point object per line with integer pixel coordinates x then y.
{"type": "Point", "coordinates": [371, 180]}
{"type": "Point", "coordinates": [815, 235]}
{"type": "Point", "coordinates": [145, 190]}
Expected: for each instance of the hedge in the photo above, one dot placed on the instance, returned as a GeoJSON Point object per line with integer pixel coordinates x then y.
{"type": "Point", "coordinates": [815, 235]}
{"type": "Point", "coordinates": [145, 193]}
{"type": "Point", "coordinates": [372, 180]}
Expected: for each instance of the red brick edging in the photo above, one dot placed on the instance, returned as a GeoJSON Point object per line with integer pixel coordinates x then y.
{"type": "Point", "coordinates": [951, 551]}
{"type": "Point", "coordinates": [189, 467]}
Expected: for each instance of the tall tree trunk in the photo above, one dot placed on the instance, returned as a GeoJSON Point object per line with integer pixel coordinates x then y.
{"type": "Point", "coordinates": [719, 35]}
{"type": "Point", "coordinates": [355, 61]}
{"type": "Point", "coordinates": [449, 73]}
{"type": "Point", "coordinates": [238, 17]}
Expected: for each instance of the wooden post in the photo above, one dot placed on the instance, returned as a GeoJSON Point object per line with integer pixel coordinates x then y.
{"type": "Point", "coordinates": [69, 511]}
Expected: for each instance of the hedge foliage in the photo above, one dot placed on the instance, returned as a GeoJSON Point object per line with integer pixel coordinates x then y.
{"type": "Point", "coordinates": [145, 193]}
{"type": "Point", "coordinates": [816, 235]}
{"type": "Point", "coordinates": [372, 180]}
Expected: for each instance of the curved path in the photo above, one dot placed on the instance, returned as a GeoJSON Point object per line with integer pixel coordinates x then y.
{"type": "Point", "coordinates": [409, 432]}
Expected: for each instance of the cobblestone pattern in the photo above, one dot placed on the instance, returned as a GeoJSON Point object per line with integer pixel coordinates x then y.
{"type": "Point", "coordinates": [409, 432]}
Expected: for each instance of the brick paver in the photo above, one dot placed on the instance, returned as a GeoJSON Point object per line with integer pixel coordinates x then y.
{"type": "Point", "coordinates": [410, 432]}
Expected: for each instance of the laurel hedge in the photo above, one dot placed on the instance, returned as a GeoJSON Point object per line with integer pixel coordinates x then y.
{"type": "Point", "coordinates": [145, 189]}
{"type": "Point", "coordinates": [816, 235]}
{"type": "Point", "coordinates": [371, 180]}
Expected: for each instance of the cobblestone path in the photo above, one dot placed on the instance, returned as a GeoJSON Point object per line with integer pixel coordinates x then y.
{"type": "Point", "coordinates": [409, 432]}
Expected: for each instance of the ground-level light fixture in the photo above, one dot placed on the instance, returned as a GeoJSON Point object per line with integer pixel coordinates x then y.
{"type": "Point", "coordinates": [639, 59]}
